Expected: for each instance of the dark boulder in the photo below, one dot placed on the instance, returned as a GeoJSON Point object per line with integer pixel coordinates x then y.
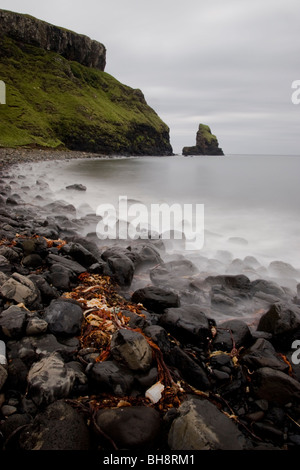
{"type": "Point", "coordinates": [59, 427]}
{"type": "Point", "coordinates": [131, 349]}
{"type": "Point", "coordinates": [201, 426]}
{"type": "Point", "coordinates": [120, 268]}
{"type": "Point", "coordinates": [159, 336]}
{"type": "Point", "coordinates": [111, 377]}
{"type": "Point", "coordinates": [232, 334]}
{"type": "Point", "coordinates": [176, 273]}
{"type": "Point", "coordinates": [187, 323]}
{"type": "Point", "coordinates": [156, 299]}
{"type": "Point", "coordinates": [48, 292]}
{"type": "Point", "coordinates": [131, 428]}
{"type": "Point", "coordinates": [80, 254]}
{"type": "Point", "coordinates": [49, 380]}
{"type": "Point", "coordinates": [13, 322]}
{"type": "Point", "coordinates": [191, 371]}
{"type": "Point", "coordinates": [64, 318]}
{"type": "Point", "coordinates": [67, 263]}
{"type": "Point", "coordinates": [283, 321]}
{"type": "Point", "coordinates": [263, 354]}
{"type": "Point", "coordinates": [275, 386]}
{"type": "Point", "coordinates": [76, 187]}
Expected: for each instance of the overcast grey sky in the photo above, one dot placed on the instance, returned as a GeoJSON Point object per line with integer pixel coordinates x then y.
{"type": "Point", "coordinates": [226, 63]}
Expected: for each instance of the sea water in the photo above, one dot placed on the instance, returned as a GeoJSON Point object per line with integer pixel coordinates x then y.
{"type": "Point", "coordinates": [251, 202]}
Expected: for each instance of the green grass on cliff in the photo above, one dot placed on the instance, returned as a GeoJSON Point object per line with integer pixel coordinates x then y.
{"type": "Point", "coordinates": [55, 103]}
{"type": "Point", "coordinates": [206, 134]}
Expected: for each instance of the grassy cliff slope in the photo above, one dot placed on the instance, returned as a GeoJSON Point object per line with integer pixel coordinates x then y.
{"type": "Point", "coordinates": [53, 102]}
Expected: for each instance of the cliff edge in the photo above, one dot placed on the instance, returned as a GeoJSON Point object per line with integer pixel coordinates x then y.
{"type": "Point", "coordinates": [29, 30]}
{"type": "Point", "coordinates": [206, 143]}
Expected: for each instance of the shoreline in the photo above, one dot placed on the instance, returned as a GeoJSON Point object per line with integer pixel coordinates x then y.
{"type": "Point", "coordinates": [83, 348]}
{"type": "Point", "coordinates": [11, 156]}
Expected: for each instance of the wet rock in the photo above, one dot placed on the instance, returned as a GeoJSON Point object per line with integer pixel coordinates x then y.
{"type": "Point", "coordinates": [144, 254]}
{"type": "Point", "coordinates": [117, 251]}
{"type": "Point", "coordinates": [146, 380]}
{"type": "Point", "coordinates": [49, 379]}
{"type": "Point", "coordinates": [59, 427]}
{"type": "Point", "coordinates": [37, 245]}
{"type": "Point", "coordinates": [135, 320]}
{"type": "Point", "coordinates": [187, 322]}
{"type": "Point", "coordinates": [80, 385]}
{"type": "Point", "coordinates": [201, 426]}
{"type": "Point", "coordinates": [31, 348]}
{"type": "Point", "coordinates": [20, 289]}
{"type": "Point", "coordinates": [60, 277]}
{"type": "Point", "coordinates": [32, 261]}
{"type": "Point", "coordinates": [221, 300]}
{"type": "Point", "coordinates": [67, 263]}
{"type": "Point", "coordinates": [238, 241]}
{"type": "Point", "coordinates": [36, 326]}
{"type": "Point", "coordinates": [121, 269]}
{"type": "Point", "coordinates": [97, 268]}
{"type": "Point", "coordinates": [131, 428]}
{"type": "Point", "coordinates": [282, 269]}
{"type": "Point", "coordinates": [3, 375]}
{"type": "Point", "coordinates": [131, 349]}
{"type": "Point", "coordinates": [283, 321]}
{"type": "Point", "coordinates": [47, 291]}
{"type": "Point", "coordinates": [80, 254]}
{"type": "Point", "coordinates": [109, 376]}
{"type": "Point", "coordinates": [156, 299]}
{"type": "Point", "coordinates": [13, 200]}
{"type": "Point", "coordinates": [10, 254]}
{"type": "Point", "coordinates": [189, 369]}
{"type": "Point", "coordinates": [176, 273]}
{"type": "Point", "coordinates": [232, 333]}
{"type": "Point", "coordinates": [263, 354]}
{"type": "Point", "coordinates": [267, 287]}
{"type": "Point", "coordinates": [76, 187]}
{"type": "Point", "coordinates": [268, 431]}
{"type": "Point", "coordinates": [11, 424]}
{"type": "Point", "coordinates": [159, 336]}
{"type": "Point", "coordinates": [275, 386]}
{"type": "Point", "coordinates": [3, 278]}
{"type": "Point", "coordinates": [60, 207]}
{"type": "Point", "coordinates": [13, 322]}
{"type": "Point", "coordinates": [8, 410]}
{"type": "Point", "coordinates": [18, 371]}
{"type": "Point", "coordinates": [236, 282]}
{"type": "Point", "coordinates": [64, 318]}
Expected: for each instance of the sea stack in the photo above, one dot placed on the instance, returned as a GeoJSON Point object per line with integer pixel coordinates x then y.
{"type": "Point", "coordinates": [206, 143]}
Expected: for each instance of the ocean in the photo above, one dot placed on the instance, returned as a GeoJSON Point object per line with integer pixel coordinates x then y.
{"type": "Point", "coordinates": [250, 202]}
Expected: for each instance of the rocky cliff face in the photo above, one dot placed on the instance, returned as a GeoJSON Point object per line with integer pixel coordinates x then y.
{"type": "Point", "coordinates": [70, 45]}
{"type": "Point", "coordinates": [206, 143]}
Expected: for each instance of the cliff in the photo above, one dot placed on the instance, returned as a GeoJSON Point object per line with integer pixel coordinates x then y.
{"type": "Point", "coordinates": [72, 46]}
{"type": "Point", "coordinates": [206, 143]}
{"type": "Point", "coordinates": [59, 96]}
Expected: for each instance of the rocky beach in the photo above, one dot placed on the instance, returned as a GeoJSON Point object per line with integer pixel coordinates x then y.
{"type": "Point", "coordinates": [126, 347]}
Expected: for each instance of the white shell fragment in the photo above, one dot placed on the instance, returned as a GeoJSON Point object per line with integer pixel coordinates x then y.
{"type": "Point", "coordinates": [155, 392]}
{"type": "Point", "coordinates": [3, 360]}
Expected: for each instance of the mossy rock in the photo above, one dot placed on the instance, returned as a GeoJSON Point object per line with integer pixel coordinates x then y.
{"type": "Point", "coordinates": [206, 143]}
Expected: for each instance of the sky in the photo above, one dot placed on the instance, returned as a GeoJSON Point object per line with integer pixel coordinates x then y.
{"type": "Point", "coordinates": [229, 64]}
